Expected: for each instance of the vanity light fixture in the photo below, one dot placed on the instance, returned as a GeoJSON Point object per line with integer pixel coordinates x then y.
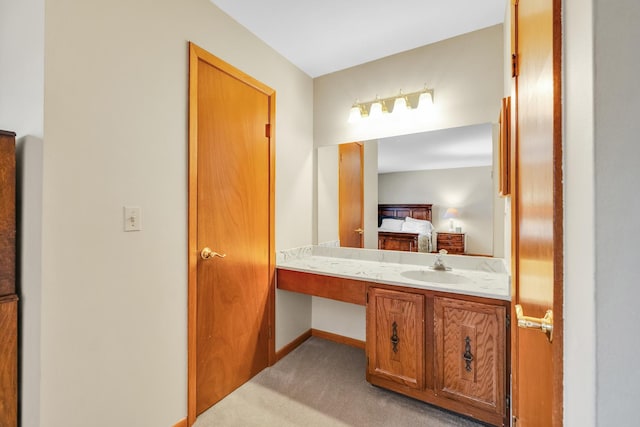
{"type": "Point", "coordinates": [421, 101]}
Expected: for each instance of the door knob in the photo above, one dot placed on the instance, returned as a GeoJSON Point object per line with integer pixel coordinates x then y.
{"type": "Point", "coordinates": [359, 230]}
{"type": "Point", "coordinates": [544, 324]}
{"type": "Point", "coordinates": [207, 253]}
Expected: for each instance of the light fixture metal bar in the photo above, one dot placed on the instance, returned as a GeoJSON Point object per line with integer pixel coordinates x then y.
{"type": "Point", "coordinates": [388, 102]}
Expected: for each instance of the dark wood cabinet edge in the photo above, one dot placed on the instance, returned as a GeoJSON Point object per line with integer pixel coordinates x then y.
{"type": "Point", "coordinates": [8, 298]}
{"type": "Point", "coordinates": [430, 293]}
{"type": "Point", "coordinates": [8, 133]}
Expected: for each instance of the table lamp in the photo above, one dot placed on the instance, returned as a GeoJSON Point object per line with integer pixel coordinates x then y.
{"type": "Point", "coordinates": [450, 214]}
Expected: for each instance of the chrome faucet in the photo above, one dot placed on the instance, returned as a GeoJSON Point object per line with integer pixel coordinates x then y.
{"type": "Point", "coordinates": [438, 264]}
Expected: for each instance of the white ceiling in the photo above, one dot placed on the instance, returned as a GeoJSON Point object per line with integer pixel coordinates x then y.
{"type": "Point", "coordinates": [466, 146]}
{"type": "Point", "coordinates": [324, 36]}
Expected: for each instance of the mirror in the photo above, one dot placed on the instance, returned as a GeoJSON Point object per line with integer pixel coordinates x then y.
{"type": "Point", "coordinates": [448, 168]}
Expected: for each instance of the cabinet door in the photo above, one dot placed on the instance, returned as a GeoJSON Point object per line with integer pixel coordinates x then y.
{"type": "Point", "coordinates": [470, 353]}
{"type": "Point", "coordinates": [395, 336]}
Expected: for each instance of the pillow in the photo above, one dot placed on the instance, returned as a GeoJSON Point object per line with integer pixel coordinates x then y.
{"type": "Point", "coordinates": [391, 224]}
{"type": "Point", "coordinates": [381, 217]}
{"type": "Point", "coordinates": [420, 221]}
{"type": "Point", "coordinates": [417, 226]}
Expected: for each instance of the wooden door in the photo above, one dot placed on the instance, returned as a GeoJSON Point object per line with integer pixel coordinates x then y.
{"type": "Point", "coordinates": [231, 213]}
{"type": "Point", "coordinates": [537, 211]}
{"type": "Point", "coordinates": [395, 336]}
{"type": "Point", "coordinates": [351, 198]}
{"type": "Point", "coordinates": [470, 354]}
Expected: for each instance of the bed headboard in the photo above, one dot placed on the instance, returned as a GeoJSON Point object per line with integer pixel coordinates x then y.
{"type": "Point", "coordinates": [402, 210]}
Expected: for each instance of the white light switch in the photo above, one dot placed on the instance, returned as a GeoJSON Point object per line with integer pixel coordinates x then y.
{"type": "Point", "coordinates": [132, 218]}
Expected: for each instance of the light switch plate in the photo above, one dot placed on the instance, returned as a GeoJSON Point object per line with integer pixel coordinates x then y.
{"type": "Point", "coordinates": [132, 218]}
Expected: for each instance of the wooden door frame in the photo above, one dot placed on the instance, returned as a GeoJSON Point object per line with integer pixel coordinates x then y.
{"type": "Point", "coordinates": [197, 54]}
{"type": "Point", "coordinates": [558, 214]}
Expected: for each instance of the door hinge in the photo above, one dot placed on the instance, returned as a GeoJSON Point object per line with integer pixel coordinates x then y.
{"type": "Point", "coordinates": [367, 297]}
{"type": "Point", "coordinates": [514, 65]}
{"type": "Point", "coordinates": [508, 322]}
{"type": "Point", "coordinates": [508, 402]}
{"type": "Point", "coordinates": [267, 130]}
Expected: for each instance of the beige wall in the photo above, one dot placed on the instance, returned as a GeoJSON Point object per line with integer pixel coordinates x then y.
{"type": "Point", "coordinates": [114, 316]}
{"type": "Point", "coordinates": [327, 182]}
{"type": "Point", "coordinates": [468, 189]}
{"type": "Point", "coordinates": [466, 73]}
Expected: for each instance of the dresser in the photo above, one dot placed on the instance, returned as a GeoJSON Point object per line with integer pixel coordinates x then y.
{"type": "Point", "coordinates": [453, 243]}
{"type": "Point", "coordinates": [8, 297]}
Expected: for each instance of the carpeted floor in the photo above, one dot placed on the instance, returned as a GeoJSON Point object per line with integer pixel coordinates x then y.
{"type": "Point", "coordinates": [322, 383]}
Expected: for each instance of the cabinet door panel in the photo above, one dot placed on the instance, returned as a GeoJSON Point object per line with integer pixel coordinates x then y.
{"type": "Point", "coordinates": [395, 336]}
{"type": "Point", "coordinates": [470, 353]}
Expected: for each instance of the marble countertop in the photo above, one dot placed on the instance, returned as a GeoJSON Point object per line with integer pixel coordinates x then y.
{"type": "Point", "coordinates": [469, 275]}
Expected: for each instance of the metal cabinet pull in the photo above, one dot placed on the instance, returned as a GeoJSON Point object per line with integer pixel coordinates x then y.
{"type": "Point", "coordinates": [394, 337]}
{"type": "Point", "coordinates": [467, 356]}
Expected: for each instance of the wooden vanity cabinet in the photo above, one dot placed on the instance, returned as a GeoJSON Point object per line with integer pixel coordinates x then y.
{"type": "Point", "coordinates": [470, 340]}
{"type": "Point", "coordinates": [395, 337]}
{"type": "Point", "coordinates": [451, 350]}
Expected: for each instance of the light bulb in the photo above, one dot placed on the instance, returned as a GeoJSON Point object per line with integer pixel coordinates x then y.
{"type": "Point", "coordinates": [354, 114]}
{"type": "Point", "coordinates": [376, 110]}
{"type": "Point", "coordinates": [400, 105]}
{"type": "Point", "coordinates": [425, 102]}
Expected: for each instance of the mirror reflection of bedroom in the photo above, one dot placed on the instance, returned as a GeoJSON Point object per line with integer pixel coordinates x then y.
{"type": "Point", "coordinates": [421, 192]}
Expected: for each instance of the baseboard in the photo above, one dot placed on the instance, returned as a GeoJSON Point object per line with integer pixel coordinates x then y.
{"type": "Point", "coordinates": [181, 423]}
{"type": "Point", "coordinates": [337, 338]}
{"type": "Point", "coordinates": [320, 334]}
{"type": "Point", "coordinates": [292, 345]}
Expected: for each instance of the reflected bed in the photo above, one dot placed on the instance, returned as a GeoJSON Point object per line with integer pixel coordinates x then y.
{"type": "Point", "coordinates": [405, 227]}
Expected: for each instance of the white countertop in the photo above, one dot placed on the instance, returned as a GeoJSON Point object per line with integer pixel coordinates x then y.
{"type": "Point", "coordinates": [478, 276]}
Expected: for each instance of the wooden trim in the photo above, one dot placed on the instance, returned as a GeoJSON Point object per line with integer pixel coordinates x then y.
{"type": "Point", "coordinates": [329, 336]}
{"type": "Point", "coordinates": [272, 228]}
{"type": "Point", "coordinates": [340, 339]}
{"type": "Point", "coordinates": [504, 185]}
{"type": "Point", "coordinates": [515, 196]}
{"type": "Point", "coordinates": [558, 220]}
{"type": "Point", "coordinates": [335, 288]}
{"type": "Point", "coordinates": [292, 345]}
{"type": "Point", "coordinates": [195, 55]}
{"type": "Point", "coordinates": [192, 234]}
{"type": "Point", "coordinates": [181, 423]}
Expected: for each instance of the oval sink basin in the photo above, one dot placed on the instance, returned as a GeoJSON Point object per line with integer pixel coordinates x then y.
{"type": "Point", "coordinates": [432, 276]}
